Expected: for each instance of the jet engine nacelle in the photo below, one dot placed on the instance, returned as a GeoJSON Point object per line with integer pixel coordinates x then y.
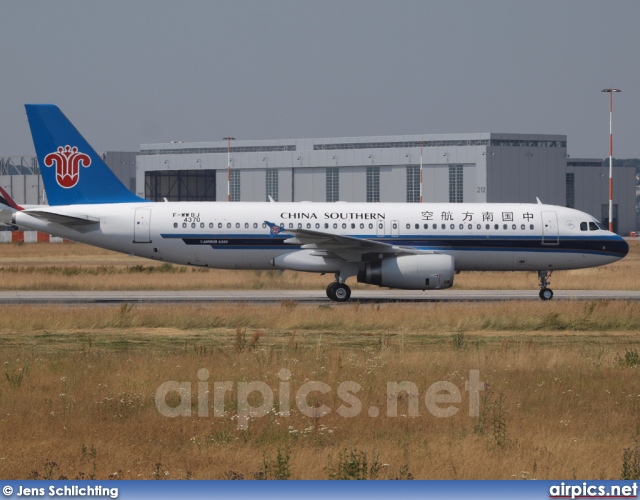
{"type": "Point", "coordinates": [411, 272]}
{"type": "Point", "coordinates": [307, 260]}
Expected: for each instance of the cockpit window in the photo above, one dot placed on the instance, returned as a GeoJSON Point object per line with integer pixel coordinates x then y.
{"type": "Point", "coordinates": [601, 226]}
{"type": "Point", "coordinates": [593, 226]}
{"type": "Point", "coordinates": [583, 226]}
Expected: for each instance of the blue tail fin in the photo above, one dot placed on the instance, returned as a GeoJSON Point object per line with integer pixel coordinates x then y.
{"type": "Point", "coordinates": [73, 173]}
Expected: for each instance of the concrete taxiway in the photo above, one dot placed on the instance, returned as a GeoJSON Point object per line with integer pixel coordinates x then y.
{"type": "Point", "coordinates": [302, 296]}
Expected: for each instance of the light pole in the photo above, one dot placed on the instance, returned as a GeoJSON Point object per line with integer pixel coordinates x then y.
{"type": "Point", "coordinates": [611, 91]}
{"type": "Point", "coordinates": [229, 139]}
{"type": "Point", "coordinates": [420, 172]}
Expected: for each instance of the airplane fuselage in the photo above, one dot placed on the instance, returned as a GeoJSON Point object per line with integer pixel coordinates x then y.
{"type": "Point", "coordinates": [506, 237]}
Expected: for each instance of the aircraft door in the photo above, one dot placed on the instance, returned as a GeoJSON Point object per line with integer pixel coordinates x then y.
{"type": "Point", "coordinates": [550, 235]}
{"type": "Point", "coordinates": [381, 228]}
{"type": "Point", "coordinates": [142, 226]}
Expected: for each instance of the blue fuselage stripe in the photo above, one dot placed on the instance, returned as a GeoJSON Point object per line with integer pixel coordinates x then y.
{"type": "Point", "coordinates": [601, 245]}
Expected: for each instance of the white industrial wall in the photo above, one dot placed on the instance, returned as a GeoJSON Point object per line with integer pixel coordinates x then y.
{"type": "Point", "coordinates": [520, 174]}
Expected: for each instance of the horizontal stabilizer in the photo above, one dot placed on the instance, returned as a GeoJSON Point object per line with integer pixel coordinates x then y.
{"type": "Point", "coordinates": [79, 223]}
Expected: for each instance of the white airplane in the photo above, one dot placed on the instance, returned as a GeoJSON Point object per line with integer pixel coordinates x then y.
{"type": "Point", "coordinates": [396, 245]}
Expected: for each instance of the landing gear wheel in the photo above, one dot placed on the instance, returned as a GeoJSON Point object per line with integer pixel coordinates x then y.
{"type": "Point", "coordinates": [340, 292]}
{"type": "Point", "coordinates": [546, 294]}
{"type": "Point", "coordinates": [330, 289]}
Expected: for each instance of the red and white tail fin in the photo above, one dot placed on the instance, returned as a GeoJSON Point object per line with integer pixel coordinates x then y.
{"type": "Point", "coordinates": [5, 199]}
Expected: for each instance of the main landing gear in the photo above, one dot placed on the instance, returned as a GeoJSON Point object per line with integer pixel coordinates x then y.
{"type": "Point", "coordinates": [545, 293]}
{"type": "Point", "coordinates": [339, 292]}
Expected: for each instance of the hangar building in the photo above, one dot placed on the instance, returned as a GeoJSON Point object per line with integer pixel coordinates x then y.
{"type": "Point", "coordinates": [484, 167]}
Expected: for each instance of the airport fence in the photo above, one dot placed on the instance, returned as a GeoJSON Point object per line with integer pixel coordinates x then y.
{"type": "Point", "coordinates": [29, 237]}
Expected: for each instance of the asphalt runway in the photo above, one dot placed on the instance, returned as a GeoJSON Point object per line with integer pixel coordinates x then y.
{"type": "Point", "coordinates": [302, 296]}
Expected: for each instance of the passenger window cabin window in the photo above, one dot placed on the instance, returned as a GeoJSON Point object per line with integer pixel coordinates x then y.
{"type": "Point", "coordinates": [531, 227]}
{"type": "Point", "coordinates": [488, 226]}
{"type": "Point", "coordinates": [175, 224]}
{"type": "Point", "coordinates": [255, 225]}
{"type": "Point", "coordinates": [202, 224]}
{"type": "Point", "coordinates": [361, 225]}
{"type": "Point", "coordinates": [246, 225]}
{"type": "Point", "coordinates": [219, 225]}
{"type": "Point", "coordinates": [496, 226]}
{"type": "Point", "coordinates": [395, 225]}
{"type": "Point", "coordinates": [444, 226]}
{"type": "Point", "coordinates": [264, 225]}
{"type": "Point", "coordinates": [299, 225]}
{"type": "Point", "coordinates": [370, 225]}
{"type": "Point", "coordinates": [583, 226]}
{"type": "Point", "coordinates": [290, 225]}
{"type": "Point", "coordinates": [470, 226]}
{"type": "Point", "coordinates": [479, 226]}
{"type": "Point", "coordinates": [418, 226]}
{"type": "Point", "coordinates": [211, 225]}
{"type": "Point", "coordinates": [308, 225]}
{"type": "Point", "coordinates": [326, 225]}
{"type": "Point", "coordinates": [317, 225]}
{"type": "Point", "coordinates": [408, 226]}
{"type": "Point", "coordinates": [335, 225]}
{"type": "Point", "coordinates": [228, 225]}
{"type": "Point", "coordinates": [435, 226]}
{"type": "Point", "coordinates": [237, 225]}
{"type": "Point", "coordinates": [523, 227]}
{"type": "Point", "coordinates": [353, 226]}
{"type": "Point", "coordinates": [513, 226]}
{"type": "Point", "coordinates": [193, 225]}
{"type": "Point", "coordinates": [505, 227]}
{"type": "Point", "coordinates": [452, 226]}
{"type": "Point", "coordinates": [344, 225]}
{"type": "Point", "coordinates": [593, 226]}
{"type": "Point", "coordinates": [461, 226]}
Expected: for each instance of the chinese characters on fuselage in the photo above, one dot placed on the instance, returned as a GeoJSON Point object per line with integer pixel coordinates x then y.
{"type": "Point", "coordinates": [469, 216]}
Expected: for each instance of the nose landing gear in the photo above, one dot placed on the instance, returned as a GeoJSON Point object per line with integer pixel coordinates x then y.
{"type": "Point", "coordinates": [545, 293]}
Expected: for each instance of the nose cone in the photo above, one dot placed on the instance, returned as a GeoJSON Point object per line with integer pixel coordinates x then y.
{"type": "Point", "coordinates": [620, 247]}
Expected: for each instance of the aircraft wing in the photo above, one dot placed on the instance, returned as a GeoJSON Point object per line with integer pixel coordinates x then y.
{"type": "Point", "coordinates": [81, 224]}
{"type": "Point", "coordinates": [346, 247]}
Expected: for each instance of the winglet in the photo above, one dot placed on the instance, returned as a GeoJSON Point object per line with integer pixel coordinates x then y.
{"type": "Point", "coordinates": [5, 199]}
{"type": "Point", "coordinates": [274, 229]}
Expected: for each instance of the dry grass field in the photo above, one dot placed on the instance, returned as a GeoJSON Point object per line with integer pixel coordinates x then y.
{"type": "Point", "coordinates": [72, 266]}
{"type": "Point", "coordinates": [561, 394]}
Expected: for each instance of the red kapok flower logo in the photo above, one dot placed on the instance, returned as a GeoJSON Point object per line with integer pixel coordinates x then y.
{"type": "Point", "coordinates": [67, 161]}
